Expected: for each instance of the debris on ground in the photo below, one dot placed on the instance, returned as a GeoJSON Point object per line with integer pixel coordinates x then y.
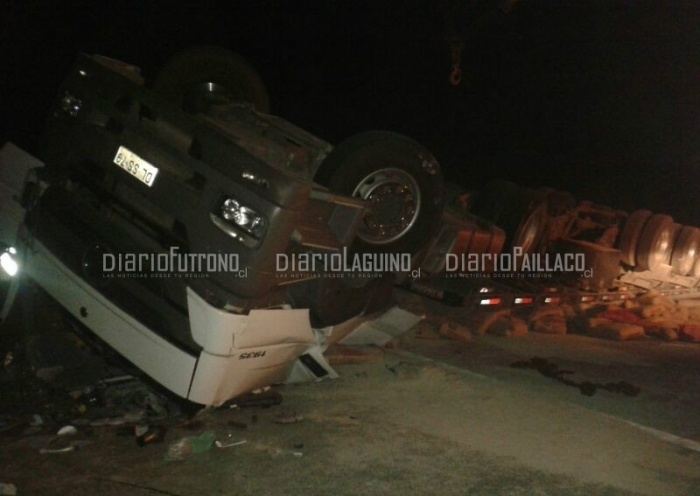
{"type": "Point", "coordinates": [428, 328]}
{"type": "Point", "coordinates": [548, 320]}
{"type": "Point", "coordinates": [454, 331]}
{"type": "Point", "coordinates": [622, 316]}
{"type": "Point", "coordinates": [220, 444]}
{"type": "Point", "coordinates": [149, 434]}
{"type": "Point", "coordinates": [285, 452]}
{"type": "Point", "coordinates": [489, 319]}
{"type": "Point", "coordinates": [587, 388]}
{"type": "Point", "coordinates": [649, 314]}
{"type": "Point", "coordinates": [338, 354]}
{"type": "Point", "coordinates": [689, 332]}
{"type": "Point", "coordinates": [604, 328]}
{"type": "Point", "coordinates": [508, 326]}
{"type": "Point", "coordinates": [404, 370]}
{"type": "Point", "coordinates": [293, 418]}
{"type": "Point", "coordinates": [263, 398]}
{"type": "Point", "coordinates": [67, 430]}
{"type": "Point", "coordinates": [191, 445]}
{"type": "Point", "coordinates": [67, 439]}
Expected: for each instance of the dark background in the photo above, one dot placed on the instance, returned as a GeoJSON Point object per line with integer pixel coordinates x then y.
{"type": "Point", "coordinates": [601, 98]}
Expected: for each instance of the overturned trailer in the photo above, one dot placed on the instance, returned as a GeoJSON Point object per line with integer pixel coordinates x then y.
{"type": "Point", "coordinates": [511, 246]}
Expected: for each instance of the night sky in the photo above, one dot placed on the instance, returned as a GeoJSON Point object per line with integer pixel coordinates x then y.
{"type": "Point", "coordinates": [598, 97]}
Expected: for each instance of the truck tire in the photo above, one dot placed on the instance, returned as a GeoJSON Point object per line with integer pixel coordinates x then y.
{"type": "Point", "coordinates": [520, 212]}
{"type": "Point", "coordinates": [629, 237]}
{"type": "Point", "coordinates": [198, 77]}
{"type": "Point", "coordinates": [402, 183]}
{"type": "Point", "coordinates": [655, 242]}
{"type": "Point", "coordinates": [685, 250]}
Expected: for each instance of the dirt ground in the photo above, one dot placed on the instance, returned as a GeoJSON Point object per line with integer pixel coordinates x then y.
{"type": "Point", "coordinates": [429, 416]}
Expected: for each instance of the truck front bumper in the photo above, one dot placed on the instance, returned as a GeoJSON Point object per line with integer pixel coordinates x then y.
{"type": "Point", "coordinates": [239, 352]}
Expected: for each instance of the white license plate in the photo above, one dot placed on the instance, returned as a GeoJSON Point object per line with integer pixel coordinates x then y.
{"type": "Point", "coordinates": [136, 166]}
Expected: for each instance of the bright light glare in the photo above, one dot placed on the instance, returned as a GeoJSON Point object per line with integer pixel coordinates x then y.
{"type": "Point", "coordinates": [9, 264]}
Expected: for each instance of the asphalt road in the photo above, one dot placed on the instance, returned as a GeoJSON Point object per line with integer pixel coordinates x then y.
{"type": "Point", "coordinates": [425, 417]}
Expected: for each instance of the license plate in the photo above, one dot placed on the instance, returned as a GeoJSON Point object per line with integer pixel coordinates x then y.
{"type": "Point", "coordinates": [136, 166]}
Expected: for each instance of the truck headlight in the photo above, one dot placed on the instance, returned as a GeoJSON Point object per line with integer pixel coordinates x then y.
{"type": "Point", "coordinates": [8, 261]}
{"type": "Point", "coordinates": [239, 221]}
{"type": "Point", "coordinates": [244, 217]}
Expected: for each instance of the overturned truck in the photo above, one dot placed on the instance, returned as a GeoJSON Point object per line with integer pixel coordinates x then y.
{"type": "Point", "coordinates": [167, 220]}
{"type": "Point", "coordinates": [558, 247]}
{"type": "Point", "coordinates": [219, 248]}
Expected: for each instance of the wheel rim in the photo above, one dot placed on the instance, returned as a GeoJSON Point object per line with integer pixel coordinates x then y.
{"type": "Point", "coordinates": [394, 198]}
{"type": "Point", "coordinates": [685, 264]}
{"type": "Point", "coordinates": [529, 233]}
{"type": "Point", "coordinates": [660, 249]}
{"type": "Point", "coordinates": [685, 250]}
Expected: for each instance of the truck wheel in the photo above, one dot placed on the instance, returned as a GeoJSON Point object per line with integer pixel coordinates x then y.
{"type": "Point", "coordinates": [685, 250]}
{"type": "Point", "coordinates": [655, 242]}
{"type": "Point", "coordinates": [532, 226]}
{"type": "Point", "coordinates": [400, 181]}
{"type": "Point", "coordinates": [629, 237]}
{"type": "Point", "coordinates": [521, 213]}
{"type": "Point", "coordinates": [198, 77]}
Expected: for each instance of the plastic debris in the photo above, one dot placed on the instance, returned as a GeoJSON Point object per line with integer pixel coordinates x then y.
{"type": "Point", "coordinates": [149, 434]}
{"type": "Point", "coordinates": [34, 426]}
{"type": "Point", "coordinates": [289, 419]}
{"type": "Point", "coordinates": [191, 445]}
{"type": "Point", "coordinates": [284, 452]}
{"type": "Point", "coordinates": [220, 444]}
{"type": "Point", "coordinates": [67, 430]}
{"type": "Point", "coordinates": [113, 421]}
{"type": "Point", "coordinates": [64, 449]}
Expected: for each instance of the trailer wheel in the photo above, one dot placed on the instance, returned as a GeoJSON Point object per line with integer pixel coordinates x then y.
{"type": "Point", "coordinates": [655, 242]}
{"type": "Point", "coordinates": [520, 212]}
{"type": "Point", "coordinates": [402, 184]}
{"type": "Point", "coordinates": [198, 77]}
{"type": "Point", "coordinates": [685, 250]}
{"type": "Point", "coordinates": [629, 236]}
{"type": "Point", "coordinates": [532, 226]}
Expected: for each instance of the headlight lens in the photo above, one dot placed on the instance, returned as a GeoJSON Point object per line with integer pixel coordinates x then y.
{"type": "Point", "coordinates": [240, 222]}
{"type": "Point", "coordinates": [244, 217]}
